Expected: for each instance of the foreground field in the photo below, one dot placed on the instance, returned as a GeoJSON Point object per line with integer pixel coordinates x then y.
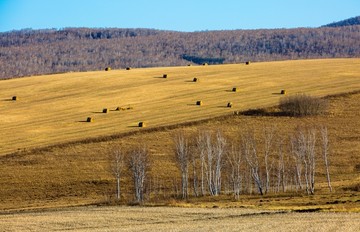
{"type": "Point", "coordinates": [177, 219]}
{"type": "Point", "coordinates": [53, 109]}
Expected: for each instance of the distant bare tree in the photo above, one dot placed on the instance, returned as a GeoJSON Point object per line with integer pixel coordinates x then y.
{"type": "Point", "coordinates": [139, 165]}
{"type": "Point", "coordinates": [325, 153]}
{"type": "Point", "coordinates": [182, 159]}
{"type": "Point", "coordinates": [117, 165]}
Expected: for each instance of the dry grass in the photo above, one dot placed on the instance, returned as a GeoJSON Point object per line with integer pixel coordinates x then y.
{"type": "Point", "coordinates": [46, 115]}
{"type": "Point", "coordinates": [176, 219]}
{"type": "Point", "coordinates": [79, 174]}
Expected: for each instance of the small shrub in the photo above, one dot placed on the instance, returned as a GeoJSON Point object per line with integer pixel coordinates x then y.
{"type": "Point", "coordinates": [302, 105]}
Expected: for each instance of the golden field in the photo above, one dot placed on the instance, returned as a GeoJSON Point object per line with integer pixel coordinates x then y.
{"type": "Point", "coordinates": [53, 109]}
{"type": "Point", "coordinates": [176, 219]}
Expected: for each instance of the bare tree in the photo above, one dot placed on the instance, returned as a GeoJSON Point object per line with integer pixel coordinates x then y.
{"type": "Point", "coordinates": [252, 159]}
{"type": "Point", "coordinates": [182, 159]}
{"type": "Point", "coordinates": [268, 143]}
{"type": "Point", "coordinates": [117, 164]}
{"type": "Point", "coordinates": [201, 146]}
{"type": "Point", "coordinates": [325, 153]}
{"type": "Point", "coordinates": [139, 165]}
{"type": "Point", "coordinates": [234, 158]}
{"type": "Point", "coordinates": [219, 151]}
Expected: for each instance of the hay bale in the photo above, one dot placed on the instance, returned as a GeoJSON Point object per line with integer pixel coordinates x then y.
{"type": "Point", "coordinates": [230, 105]}
{"type": "Point", "coordinates": [234, 89]}
{"type": "Point", "coordinates": [283, 91]}
{"type": "Point", "coordinates": [89, 119]}
{"type": "Point", "coordinates": [196, 79]}
{"type": "Point", "coordinates": [128, 68]}
{"type": "Point", "coordinates": [199, 103]}
{"type": "Point", "coordinates": [205, 64]}
{"type": "Point", "coordinates": [142, 124]}
{"type": "Point", "coordinates": [14, 98]}
{"type": "Point", "coordinates": [105, 111]}
{"type": "Point", "coordinates": [165, 76]}
{"type": "Point", "coordinates": [107, 69]}
{"type": "Point", "coordinates": [247, 62]}
{"type": "Point", "coordinates": [117, 108]}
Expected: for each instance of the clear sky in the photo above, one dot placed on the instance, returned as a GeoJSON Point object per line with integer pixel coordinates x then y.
{"type": "Point", "coordinates": [179, 15]}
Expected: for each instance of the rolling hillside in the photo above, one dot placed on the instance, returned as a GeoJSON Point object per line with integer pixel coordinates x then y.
{"type": "Point", "coordinates": [53, 109]}
{"type": "Point", "coordinates": [35, 52]}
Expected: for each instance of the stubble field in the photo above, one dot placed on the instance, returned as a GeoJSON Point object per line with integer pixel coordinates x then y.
{"type": "Point", "coordinates": [53, 109]}
{"type": "Point", "coordinates": [177, 219]}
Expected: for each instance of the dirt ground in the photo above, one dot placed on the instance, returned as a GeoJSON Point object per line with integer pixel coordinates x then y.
{"type": "Point", "coordinates": [176, 219]}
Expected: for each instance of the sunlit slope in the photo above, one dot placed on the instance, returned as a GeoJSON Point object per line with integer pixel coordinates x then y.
{"type": "Point", "coordinates": [53, 109]}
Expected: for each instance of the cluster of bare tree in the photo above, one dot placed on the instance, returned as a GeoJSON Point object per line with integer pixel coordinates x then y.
{"type": "Point", "coordinates": [209, 163]}
{"type": "Point", "coordinates": [30, 52]}
{"type": "Point", "coordinates": [269, 164]}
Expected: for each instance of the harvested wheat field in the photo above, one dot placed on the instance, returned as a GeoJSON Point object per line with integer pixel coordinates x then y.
{"type": "Point", "coordinates": [176, 219]}
{"type": "Point", "coordinates": [53, 109]}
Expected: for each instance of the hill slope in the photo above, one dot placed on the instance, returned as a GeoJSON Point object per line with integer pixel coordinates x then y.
{"type": "Point", "coordinates": [52, 109]}
{"type": "Point", "coordinates": [347, 22]}
{"type": "Point", "coordinates": [31, 52]}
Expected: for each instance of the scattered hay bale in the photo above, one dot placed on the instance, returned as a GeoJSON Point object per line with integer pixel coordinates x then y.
{"type": "Point", "coordinates": [189, 65]}
{"type": "Point", "coordinates": [165, 76]}
{"type": "Point", "coordinates": [107, 69]}
{"type": "Point", "coordinates": [128, 68]}
{"type": "Point", "coordinates": [230, 105]}
{"type": "Point", "coordinates": [234, 89]}
{"type": "Point", "coordinates": [14, 98]}
{"type": "Point", "coordinates": [105, 111]}
{"type": "Point", "coordinates": [89, 119]}
{"type": "Point", "coordinates": [142, 124]}
{"type": "Point", "coordinates": [199, 103]}
{"type": "Point", "coordinates": [117, 108]}
{"type": "Point", "coordinates": [205, 64]}
{"type": "Point", "coordinates": [283, 91]}
{"type": "Point", "coordinates": [196, 79]}
{"type": "Point", "coordinates": [247, 62]}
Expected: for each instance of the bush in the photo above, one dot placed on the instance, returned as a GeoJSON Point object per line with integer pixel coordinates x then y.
{"type": "Point", "coordinates": [303, 105]}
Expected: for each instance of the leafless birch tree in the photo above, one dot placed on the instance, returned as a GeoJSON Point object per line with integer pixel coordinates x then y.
{"type": "Point", "coordinates": [325, 153]}
{"type": "Point", "coordinates": [117, 164]}
{"type": "Point", "coordinates": [139, 165]}
{"type": "Point", "coordinates": [182, 159]}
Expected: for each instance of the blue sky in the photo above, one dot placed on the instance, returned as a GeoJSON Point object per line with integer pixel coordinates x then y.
{"type": "Point", "coordinates": [182, 15]}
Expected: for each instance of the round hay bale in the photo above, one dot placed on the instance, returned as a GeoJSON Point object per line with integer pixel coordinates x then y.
{"type": "Point", "coordinates": [105, 111]}
{"type": "Point", "coordinates": [128, 68]}
{"type": "Point", "coordinates": [14, 98]}
{"type": "Point", "coordinates": [283, 91]}
{"type": "Point", "coordinates": [205, 64]}
{"type": "Point", "coordinates": [199, 103]}
{"type": "Point", "coordinates": [117, 108]}
{"type": "Point", "coordinates": [142, 124]}
{"type": "Point", "coordinates": [196, 79]}
{"type": "Point", "coordinates": [165, 76]}
{"type": "Point", "coordinates": [230, 105]}
{"type": "Point", "coordinates": [247, 62]}
{"type": "Point", "coordinates": [234, 89]}
{"type": "Point", "coordinates": [89, 119]}
{"type": "Point", "coordinates": [107, 69]}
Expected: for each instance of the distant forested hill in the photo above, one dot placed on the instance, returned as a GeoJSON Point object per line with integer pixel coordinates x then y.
{"type": "Point", "coordinates": [33, 52]}
{"type": "Point", "coordinates": [347, 22]}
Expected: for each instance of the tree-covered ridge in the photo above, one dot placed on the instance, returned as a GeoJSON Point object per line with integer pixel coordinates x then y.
{"type": "Point", "coordinates": [347, 22]}
{"type": "Point", "coordinates": [33, 52]}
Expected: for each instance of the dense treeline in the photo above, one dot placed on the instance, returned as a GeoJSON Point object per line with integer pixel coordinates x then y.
{"type": "Point", "coordinates": [32, 52]}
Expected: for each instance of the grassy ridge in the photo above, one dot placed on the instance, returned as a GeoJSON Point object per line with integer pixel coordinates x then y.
{"type": "Point", "coordinates": [52, 109]}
